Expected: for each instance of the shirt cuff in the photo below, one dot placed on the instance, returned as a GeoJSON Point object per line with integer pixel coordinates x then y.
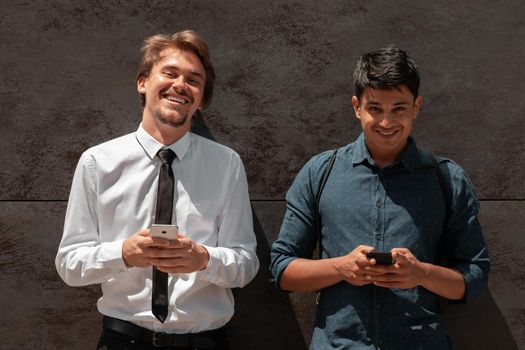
{"type": "Point", "coordinates": [282, 265]}
{"type": "Point", "coordinates": [474, 282]}
{"type": "Point", "coordinates": [211, 271]}
{"type": "Point", "coordinates": [111, 254]}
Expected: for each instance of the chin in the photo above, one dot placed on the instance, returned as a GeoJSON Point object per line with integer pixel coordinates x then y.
{"type": "Point", "coordinates": [175, 122]}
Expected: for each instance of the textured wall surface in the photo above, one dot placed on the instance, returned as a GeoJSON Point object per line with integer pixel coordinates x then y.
{"type": "Point", "coordinates": [284, 83]}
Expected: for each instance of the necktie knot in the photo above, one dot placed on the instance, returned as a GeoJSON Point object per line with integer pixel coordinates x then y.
{"type": "Point", "coordinates": [166, 155]}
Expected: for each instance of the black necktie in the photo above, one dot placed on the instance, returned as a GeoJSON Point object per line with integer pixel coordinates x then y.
{"type": "Point", "coordinates": [159, 301]}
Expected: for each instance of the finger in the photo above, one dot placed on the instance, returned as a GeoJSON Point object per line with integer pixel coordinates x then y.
{"type": "Point", "coordinates": [178, 269]}
{"type": "Point", "coordinates": [401, 251]}
{"type": "Point", "coordinates": [159, 242]}
{"type": "Point", "coordinates": [388, 278]}
{"type": "Point", "coordinates": [358, 280]}
{"type": "Point", "coordinates": [170, 244]}
{"type": "Point", "coordinates": [400, 258]}
{"type": "Point", "coordinates": [145, 232]}
{"type": "Point", "coordinates": [166, 253]}
{"type": "Point", "coordinates": [168, 262]}
{"type": "Point", "coordinates": [378, 270]}
{"type": "Point", "coordinates": [365, 249]}
{"type": "Point", "coordinates": [362, 260]}
{"type": "Point", "coordinates": [388, 284]}
{"type": "Point", "coordinates": [180, 243]}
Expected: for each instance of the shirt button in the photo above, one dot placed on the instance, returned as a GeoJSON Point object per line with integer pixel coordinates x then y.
{"type": "Point", "coordinates": [379, 204]}
{"type": "Point", "coordinates": [378, 236]}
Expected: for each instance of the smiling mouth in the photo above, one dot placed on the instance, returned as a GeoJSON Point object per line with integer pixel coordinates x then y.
{"type": "Point", "coordinates": [387, 132]}
{"type": "Point", "coordinates": [176, 99]}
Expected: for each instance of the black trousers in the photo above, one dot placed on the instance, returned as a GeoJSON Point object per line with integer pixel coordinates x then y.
{"type": "Point", "coordinates": [113, 340]}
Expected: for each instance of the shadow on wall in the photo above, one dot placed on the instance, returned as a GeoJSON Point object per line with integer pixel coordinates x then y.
{"type": "Point", "coordinates": [479, 325]}
{"type": "Point", "coordinates": [266, 317]}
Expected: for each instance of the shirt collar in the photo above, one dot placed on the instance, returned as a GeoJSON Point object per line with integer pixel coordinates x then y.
{"type": "Point", "coordinates": [152, 146]}
{"type": "Point", "coordinates": [409, 159]}
{"type": "Point", "coordinates": [361, 151]}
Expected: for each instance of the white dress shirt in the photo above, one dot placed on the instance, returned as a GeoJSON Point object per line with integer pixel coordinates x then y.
{"type": "Point", "coordinates": [113, 196]}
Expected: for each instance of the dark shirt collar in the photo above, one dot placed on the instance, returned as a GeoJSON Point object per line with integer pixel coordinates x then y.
{"type": "Point", "coordinates": [361, 151]}
{"type": "Point", "coordinates": [409, 159]}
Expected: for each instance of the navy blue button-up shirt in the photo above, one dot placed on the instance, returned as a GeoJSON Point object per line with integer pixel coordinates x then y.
{"type": "Point", "coordinates": [399, 206]}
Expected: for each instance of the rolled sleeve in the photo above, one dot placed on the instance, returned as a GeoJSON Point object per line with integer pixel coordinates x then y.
{"type": "Point", "coordinates": [298, 236]}
{"type": "Point", "coordinates": [465, 244]}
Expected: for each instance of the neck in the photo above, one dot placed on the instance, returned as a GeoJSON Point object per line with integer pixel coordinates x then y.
{"type": "Point", "coordinates": [382, 164]}
{"type": "Point", "coordinates": [164, 133]}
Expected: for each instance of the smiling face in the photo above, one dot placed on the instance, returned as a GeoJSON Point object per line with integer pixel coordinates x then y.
{"type": "Point", "coordinates": [386, 118]}
{"type": "Point", "coordinates": [173, 91]}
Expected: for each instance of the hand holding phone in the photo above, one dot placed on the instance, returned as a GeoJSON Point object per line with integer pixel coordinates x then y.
{"type": "Point", "coordinates": [164, 231]}
{"type": "Point", "coordinates": [381, 258]}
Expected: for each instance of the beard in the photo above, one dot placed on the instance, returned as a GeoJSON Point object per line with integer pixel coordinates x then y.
{"type": "Point", "coordinates": [164, 119]}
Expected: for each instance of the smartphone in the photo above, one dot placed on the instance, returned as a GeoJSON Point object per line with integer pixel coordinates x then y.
{"type": "Point", "coordinates": [164, 231]}
{"type": "Point", "coordinates": [381, 258]}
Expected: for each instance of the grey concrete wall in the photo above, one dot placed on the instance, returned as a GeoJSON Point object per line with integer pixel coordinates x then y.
{"type": "Point", "coordinates": [282, 95]}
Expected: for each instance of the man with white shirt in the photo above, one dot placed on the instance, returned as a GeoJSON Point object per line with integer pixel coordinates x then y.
{"type": "Point", "coordinates": [112, 206]}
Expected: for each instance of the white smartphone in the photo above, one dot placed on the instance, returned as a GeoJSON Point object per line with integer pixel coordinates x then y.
{"type": "Point", "coordinates": [164, 231]}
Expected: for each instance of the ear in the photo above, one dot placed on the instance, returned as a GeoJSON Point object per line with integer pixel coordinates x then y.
{"type": "Point", "coordinates": [417, 104]}
{"type": "Point", "coordinates": [356, 105]}
{"type": "Point", "coordinates": [141, 84]}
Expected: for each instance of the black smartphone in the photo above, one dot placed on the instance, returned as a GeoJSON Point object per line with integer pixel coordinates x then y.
{"type": "Point", "coordinates": [381, 258]}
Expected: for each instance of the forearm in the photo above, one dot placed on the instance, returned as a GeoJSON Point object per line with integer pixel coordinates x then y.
{"type": "Point", "coordinates": [445, 282]}
{"type": "Point", "coordinates": [304, 275]}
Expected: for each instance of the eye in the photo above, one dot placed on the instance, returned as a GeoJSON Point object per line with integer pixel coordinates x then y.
{"type": "Point", "coordinates": [168, 73]}
{"type": "Point", "coordinates": [194, 81]}
{"type": "Point", "coordinates": [399, 110]}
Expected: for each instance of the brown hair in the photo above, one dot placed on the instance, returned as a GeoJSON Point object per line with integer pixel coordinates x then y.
{"type": "Point", "coordinates": [186, 40]}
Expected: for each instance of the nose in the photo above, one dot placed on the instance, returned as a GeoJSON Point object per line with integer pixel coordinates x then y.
{"type": "Point", "coordinates": [179, 83]}
{"type": "Point", "coordinates": [386, 120]}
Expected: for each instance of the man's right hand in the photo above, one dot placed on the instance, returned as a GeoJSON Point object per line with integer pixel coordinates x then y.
{"type": "Point", "coordinates": [307, 275]}
{"type": "Point", "coordinates": [353, 266]}
{"type": "Point", "coordinates": [137, 248]}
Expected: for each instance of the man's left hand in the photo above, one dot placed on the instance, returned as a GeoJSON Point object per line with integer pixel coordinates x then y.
{"type": "Point", "coordinates": [182, 255]}
{"type": "Point", "coordinates": [406, 272]}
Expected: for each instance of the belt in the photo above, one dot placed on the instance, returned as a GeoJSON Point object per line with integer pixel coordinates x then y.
{"type": "Point", "coordinates": [202, 340]}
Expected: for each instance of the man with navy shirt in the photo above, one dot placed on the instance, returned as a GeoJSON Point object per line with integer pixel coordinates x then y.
{"type": "Point", "coordinates": [383, 194]}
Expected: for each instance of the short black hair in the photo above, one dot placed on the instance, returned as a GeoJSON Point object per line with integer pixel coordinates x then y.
{"type": "Point", "coordinates": [385, 69]}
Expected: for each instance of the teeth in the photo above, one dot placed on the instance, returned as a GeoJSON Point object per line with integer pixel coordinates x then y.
{"type": "Point", "coordinates": [175, 99]}
{"type": "Point", "coordinates": [387, 133]}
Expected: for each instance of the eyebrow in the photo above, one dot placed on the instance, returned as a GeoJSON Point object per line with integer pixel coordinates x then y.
{"type": "Point", "coordinates": [375, 103]}
{"type": "Point", "coordinates": [193, 72]}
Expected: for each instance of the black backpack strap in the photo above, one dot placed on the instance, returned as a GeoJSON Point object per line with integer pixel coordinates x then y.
{"type": "Point", "coordinates": [444, 188]}
{"type": "Point", "coordinates": [326, 174]}
{"type": "Point", "coordinates": [447, 197]}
